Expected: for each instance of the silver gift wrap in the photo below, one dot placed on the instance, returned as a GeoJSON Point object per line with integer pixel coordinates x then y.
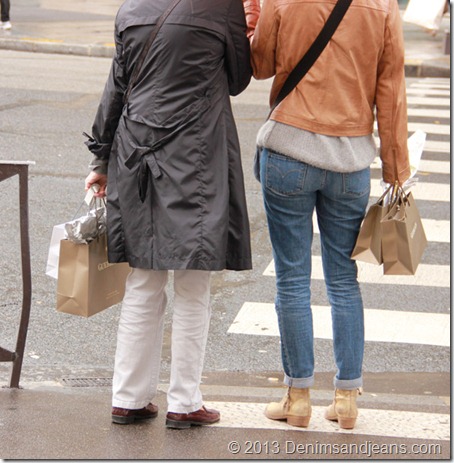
{"type": "Point", "coordinates": [85, 229]}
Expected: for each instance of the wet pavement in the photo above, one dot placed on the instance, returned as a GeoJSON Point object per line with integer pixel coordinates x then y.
{"type": "Point", "coordinates": [60, 421]}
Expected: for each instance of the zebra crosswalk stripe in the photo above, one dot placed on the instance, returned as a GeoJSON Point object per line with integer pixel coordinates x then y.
{"type": "Point", "coordinates": [430, 145]}
{"type": "Point", "coordinates": [426, 166]}
{"type": "Point", "coordinates": [412, 90]}
{"type": "Point", "coordinates": [439, 129]}
{"type": "Point", "coordinates": [426, 101]}
{"type": "Point", "coordinates": [259, 318]}
{"type": "Point", "coordinates": [432, 112]}
{"type": "Point", "coordinates": [438, 276]}
{"type": "Point", "coordinates": [440, 85]}
{"type": "Point", "coordinates": [421, 191]}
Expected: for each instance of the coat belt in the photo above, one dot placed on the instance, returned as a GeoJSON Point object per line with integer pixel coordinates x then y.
{"type": "Point", "coordinates": [147, 163]}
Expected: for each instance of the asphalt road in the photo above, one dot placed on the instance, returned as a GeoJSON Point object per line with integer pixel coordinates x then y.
{"type": "Point", "coordinates": [47, 102]}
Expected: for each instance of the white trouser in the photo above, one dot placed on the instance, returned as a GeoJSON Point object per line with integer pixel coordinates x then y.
{"type": "Point", "coordinates": [140, 333]}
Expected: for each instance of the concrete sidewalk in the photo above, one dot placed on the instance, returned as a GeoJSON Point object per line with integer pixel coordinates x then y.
{"type": "Point", "coordinates": [86, 28]}
{"type": "Point", "coordinates": [69, 421]}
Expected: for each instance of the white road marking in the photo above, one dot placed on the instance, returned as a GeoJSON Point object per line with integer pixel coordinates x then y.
{"type": "Point", "coordinates": [430, 145]}
{"type": "Point", "coordinates": [433, 113]}
{"type": "Point", "coordinates": [426, 275]}
{"type": "Point", "coordinates": [438, 129]}
{"type": "Point", "coordinates": [426, 166]}
{"type": "Point", "coordinates": [422, 191]}
{"type": "Point", "coordinates": [259, 318]}
{"type": "Point", "coordinates": [440, 85]}
{"type": "Point", "coordinates": [438, 231]}
{"type": "Point", "coordinates": [413, 90]}
{"type": "Point", "coordinates": [426, 101]}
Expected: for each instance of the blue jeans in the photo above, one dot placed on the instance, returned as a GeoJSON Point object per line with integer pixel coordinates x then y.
{"type": "Point", "coordinates": [291, 191]}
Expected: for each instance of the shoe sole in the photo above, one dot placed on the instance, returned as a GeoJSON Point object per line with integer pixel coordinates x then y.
{"type": "Point", "coordinates": [347, 423]}
{"type": "Point", "coordinates": [344, 423]}
{"type": "Point", "coordinates": [131, 419]}
{"type": "Point", "coordinates": [299, 421]}
{"type": "Point", "coordinates": [173, 424]}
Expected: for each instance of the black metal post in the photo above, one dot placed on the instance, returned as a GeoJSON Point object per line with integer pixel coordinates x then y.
{"type": "Point", "coordinates": [7, 170]}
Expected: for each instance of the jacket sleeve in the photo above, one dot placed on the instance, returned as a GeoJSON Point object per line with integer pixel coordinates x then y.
{"type": "Point", "coordinates": [264, 42]}
{"type": "Point", "coordinates": [391, 102]}
{"type": "Point", "coordinates": [110, 107]}
{"type": "Point", "coordinates": [238, 52]}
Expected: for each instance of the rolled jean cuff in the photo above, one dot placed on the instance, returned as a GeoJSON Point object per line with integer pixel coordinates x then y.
{"type": "Point", "coordinates": [300, 383]}
{"type": "Point", "coordinates": [348, 384]}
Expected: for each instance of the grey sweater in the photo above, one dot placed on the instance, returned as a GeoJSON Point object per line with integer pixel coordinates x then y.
{"type": "Point", "coordinates": [338, 154]}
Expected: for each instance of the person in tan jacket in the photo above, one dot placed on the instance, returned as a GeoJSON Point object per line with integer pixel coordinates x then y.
{"type": "Point", "coordinates": [316, 151]}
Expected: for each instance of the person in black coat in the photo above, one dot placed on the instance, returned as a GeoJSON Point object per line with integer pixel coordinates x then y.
{"type": "Point", "coordinates": [169, 162]}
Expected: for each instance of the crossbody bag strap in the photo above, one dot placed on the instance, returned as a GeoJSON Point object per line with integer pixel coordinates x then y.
{"type": "Point", "coordinates": [314, 51]}
{"type": "Point", "coordinates": [146, 48]}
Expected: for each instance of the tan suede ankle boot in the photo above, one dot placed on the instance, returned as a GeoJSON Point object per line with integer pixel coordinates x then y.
{"type": "Point", "coordinates": [344, 409]}
{"type": "Point", "coordinates": [295, 407]}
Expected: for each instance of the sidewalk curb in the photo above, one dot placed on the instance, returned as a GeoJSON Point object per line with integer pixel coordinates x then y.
{"type": "Point", "coordinates": [417, 68]}
{"type": "Point", "coordinates": [92, 50]}
{"type": "Point", "coordinates": [383, 400]}
{"type": "Point", "coordinates": [413, 68]}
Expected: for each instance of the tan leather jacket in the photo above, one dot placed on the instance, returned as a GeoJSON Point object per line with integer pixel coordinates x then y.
{"type": "Point", "coordinates": [361, 70]}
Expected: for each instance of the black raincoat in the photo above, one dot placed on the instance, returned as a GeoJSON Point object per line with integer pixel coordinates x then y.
{"type": "Point", "coordinates": [175, 194]}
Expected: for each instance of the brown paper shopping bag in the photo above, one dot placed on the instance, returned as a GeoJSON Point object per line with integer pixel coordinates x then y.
{"type": "Point", "coordinates": [87, 283]}
{"type": "Point", "coordinates": [404, 239]}
{"type": "Point", "coordinates": [368, 247]}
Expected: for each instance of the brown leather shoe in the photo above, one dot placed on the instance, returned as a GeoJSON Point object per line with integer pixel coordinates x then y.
{"type": "Point", "coordinates": [126, 416]}
{"type": "Point", "coordinates": [197, 418]}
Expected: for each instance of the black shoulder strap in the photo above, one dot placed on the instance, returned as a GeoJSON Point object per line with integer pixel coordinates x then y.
{"type": "Point", "coordinates": [146, 49]}
{"type": "Point", "coordinates": [314, 51]}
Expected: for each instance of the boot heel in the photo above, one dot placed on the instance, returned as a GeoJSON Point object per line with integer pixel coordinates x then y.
{"type": "Point", "coordinates": [347, 423]}
{"type": "Point", "coordinates": [300, 421]}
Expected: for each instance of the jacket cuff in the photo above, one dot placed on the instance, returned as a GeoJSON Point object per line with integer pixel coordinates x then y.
{"type": "Point", "coordinates": [252, 12]}
{"type": "Point", "coordinates": [100, 150]}
{"type": "Point", "coordinates": [98, 165]}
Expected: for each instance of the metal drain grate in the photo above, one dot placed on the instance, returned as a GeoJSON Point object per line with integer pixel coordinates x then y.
{"type": "Point", "coordinates": [87, 382]}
